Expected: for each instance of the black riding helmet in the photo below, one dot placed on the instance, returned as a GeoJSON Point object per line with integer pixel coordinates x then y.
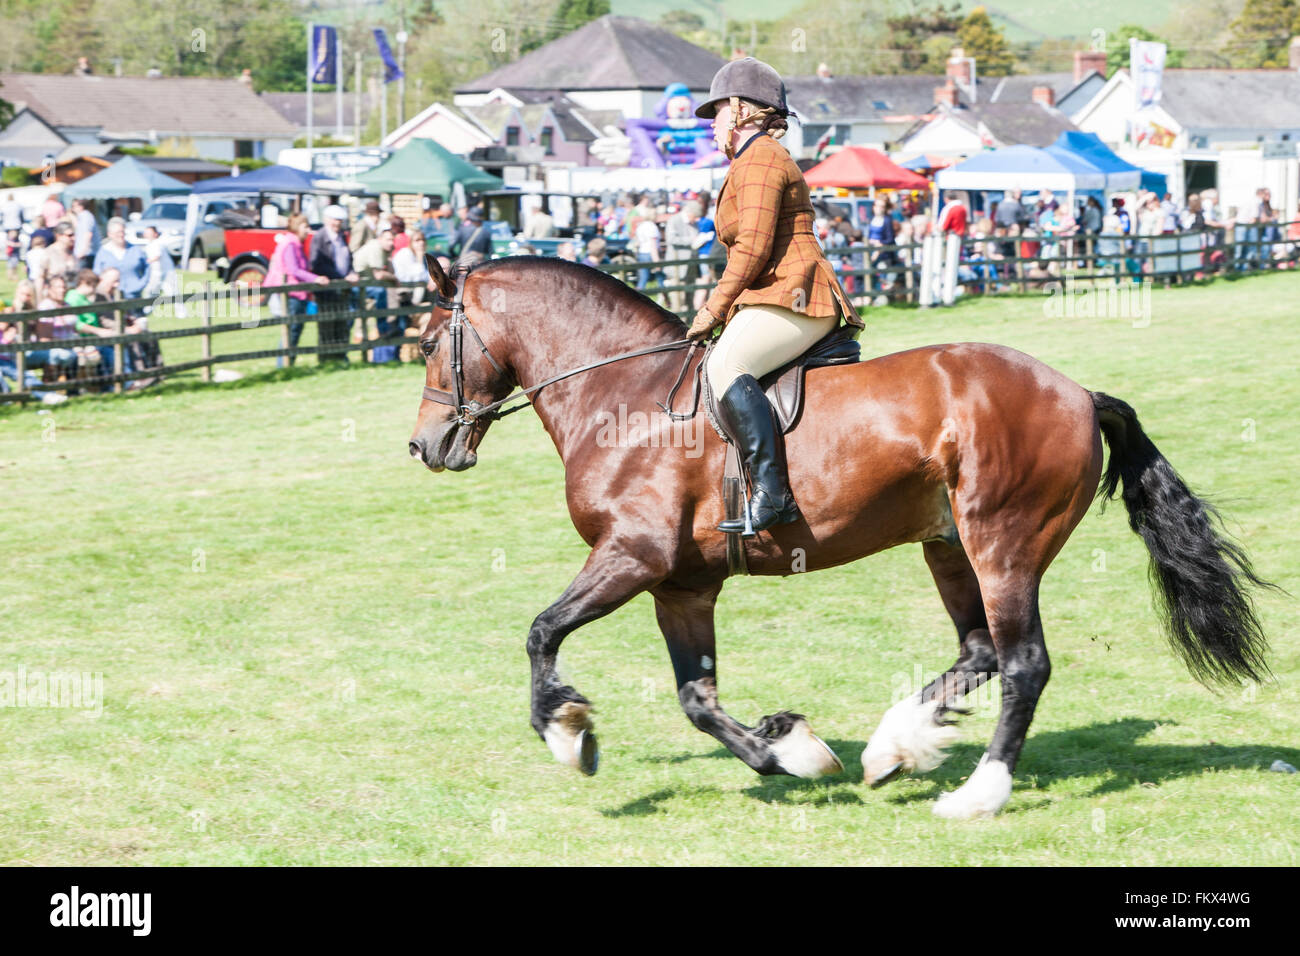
{"type": "Point", "coordinates": [749, 79]}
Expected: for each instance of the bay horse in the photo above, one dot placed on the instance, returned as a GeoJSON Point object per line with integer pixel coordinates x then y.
{"type": "Point", "coordinates": [983, 455]}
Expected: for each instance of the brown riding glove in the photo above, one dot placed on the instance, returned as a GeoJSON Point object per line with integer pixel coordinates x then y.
{"type": "Point", "coordinates": [705, 322]}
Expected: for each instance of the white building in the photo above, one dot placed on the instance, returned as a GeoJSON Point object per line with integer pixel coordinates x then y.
{"type": "Point", "coordinates": [1235, 130]}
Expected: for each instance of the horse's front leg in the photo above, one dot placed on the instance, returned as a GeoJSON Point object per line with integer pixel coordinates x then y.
{"type": "Point", "coordinates": [560, 715]}
{"type": "Point", "coordinates": [782, 743]}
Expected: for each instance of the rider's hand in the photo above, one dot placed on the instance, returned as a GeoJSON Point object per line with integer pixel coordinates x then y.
{"type": "Point", "coordinates": [705, 322]}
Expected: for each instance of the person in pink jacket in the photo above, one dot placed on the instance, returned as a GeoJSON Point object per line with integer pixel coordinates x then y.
{"type": "Point", "coordinates": [289, 267]}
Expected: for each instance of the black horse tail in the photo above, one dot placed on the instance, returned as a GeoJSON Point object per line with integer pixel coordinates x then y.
{"type": "Point", "coordinates": [1202, 579]}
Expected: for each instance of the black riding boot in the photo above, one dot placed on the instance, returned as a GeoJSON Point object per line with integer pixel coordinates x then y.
{"type": "Point", "coordinates": [749, 418]}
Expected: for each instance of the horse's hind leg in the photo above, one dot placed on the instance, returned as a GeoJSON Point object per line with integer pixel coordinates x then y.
{"type": "Point", "coordinates": [914, 732]}
{"type": "Point", "coordinates": [1011, 600]}
{"type": "Point", "coordinates": [782, 743]}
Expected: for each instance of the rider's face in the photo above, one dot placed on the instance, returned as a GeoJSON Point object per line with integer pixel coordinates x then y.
{"type": "Point", "coordinates": [721, 121]}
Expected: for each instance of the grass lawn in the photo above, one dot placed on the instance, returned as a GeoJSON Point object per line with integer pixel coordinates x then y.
{"type": "Point", "coordinates": [312, 652]}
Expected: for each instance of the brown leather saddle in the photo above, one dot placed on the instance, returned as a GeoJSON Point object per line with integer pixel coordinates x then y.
{"type": "Point", "coordinates": [784, 388]}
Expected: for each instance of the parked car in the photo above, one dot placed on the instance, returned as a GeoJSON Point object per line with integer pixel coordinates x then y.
{"type": "Point", "coordinates": [168, 217]}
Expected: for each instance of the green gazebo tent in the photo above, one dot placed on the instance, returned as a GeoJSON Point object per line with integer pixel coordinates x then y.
{"type": "Point", "coordinates": [128, 178]}
{"type": "Point", "coordinates": [424, 168]}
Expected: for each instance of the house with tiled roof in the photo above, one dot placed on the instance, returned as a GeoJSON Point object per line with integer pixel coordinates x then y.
{"type": "Point", "coordinates": [324, 111]}
{"type": "Point", "coordinates": [879, 111]}
{"type": "Point", "coordinates": [1234, 130]}
{"type": "Point", "coordinates": [616, 63]}
{"type": "Point", "coordinates": [961, 130]}
{"type": "Point", "coordinates": [222, 118]}
{"type": "Point", "coordinates": [1203, 108]}
{"type": "Point", "coordinates": [521, 126]}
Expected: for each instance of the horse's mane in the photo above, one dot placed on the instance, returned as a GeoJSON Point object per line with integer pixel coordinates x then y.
{"type": "Point", "coordinates": [627, 300]}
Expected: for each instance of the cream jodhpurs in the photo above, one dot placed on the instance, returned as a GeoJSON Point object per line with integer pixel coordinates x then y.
{"type": "Point", "coordinates": [760, 338]}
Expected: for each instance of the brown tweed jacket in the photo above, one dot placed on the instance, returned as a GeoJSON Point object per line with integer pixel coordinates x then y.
{"type": "Point", "coordinates": [765, 220]}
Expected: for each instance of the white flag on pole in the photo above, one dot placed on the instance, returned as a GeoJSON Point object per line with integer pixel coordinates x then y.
{"type": "Point", "coordinates": [1147, 66]}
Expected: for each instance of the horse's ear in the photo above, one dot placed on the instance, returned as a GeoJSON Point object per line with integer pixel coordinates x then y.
{"type": "Point", "coordinates": [440, 278]}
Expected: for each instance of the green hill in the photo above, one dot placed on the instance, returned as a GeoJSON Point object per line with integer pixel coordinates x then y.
{"type": "Point", "coordinates": [1020, 19]}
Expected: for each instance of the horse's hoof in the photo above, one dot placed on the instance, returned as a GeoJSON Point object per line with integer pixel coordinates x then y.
{"type": "Point", "coordinates": [588, 752]}
{"type": "Point", "coordinates": [883, 777]}
{"type": "Point", "coordinates": [983, 795]}
{"type": "Point", "coordinates": [801, 753]}
{"type": "Point", "coordinates": [911, 737]}
{"type": "Point", "coordinates": [570, 737]}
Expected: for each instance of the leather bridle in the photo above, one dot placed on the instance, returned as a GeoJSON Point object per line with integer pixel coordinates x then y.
{"type": "Point", "coordinates": [469, 411]}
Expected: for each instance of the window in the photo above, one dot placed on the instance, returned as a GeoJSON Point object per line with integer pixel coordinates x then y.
{"type": "Point", "coordinates": [548, 140]}
{"type": "Point", "coordinates": [244, 149]}
{"type": "Point", "coordinates": [512, 135]}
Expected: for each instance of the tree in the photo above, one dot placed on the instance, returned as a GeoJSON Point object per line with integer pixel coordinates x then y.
{"type": "Point", "coordinates": [1261, 33]}
{"type": "Point", "coordinates": [682, 21]}
{"type": "Point", "coordinates": [572, 14]}
{"type": "Point", "coordinates": [1205, 39]}
{"type": "Point", "coordinates": [982, 40]}
{"type": "Point", "coordinates": [1117, 53]}
{"type": "Point", "coordinates": [911, 32]}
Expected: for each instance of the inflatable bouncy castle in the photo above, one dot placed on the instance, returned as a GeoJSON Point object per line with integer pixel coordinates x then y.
{"type": "Point", "coordinates": [675, 137]}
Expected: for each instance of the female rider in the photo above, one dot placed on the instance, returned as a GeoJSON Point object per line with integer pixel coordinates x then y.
{"type": "Point", "coordinates": [778, 294]}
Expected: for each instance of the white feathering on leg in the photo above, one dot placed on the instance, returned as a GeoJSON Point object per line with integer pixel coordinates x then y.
{"type": "Point", "coordinates": [983, 795]}
{"type": "Point", "coordinates": [910, 733]}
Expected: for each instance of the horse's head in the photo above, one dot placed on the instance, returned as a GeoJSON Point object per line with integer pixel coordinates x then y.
{"type": "Point", "coordinates": [447, 433]}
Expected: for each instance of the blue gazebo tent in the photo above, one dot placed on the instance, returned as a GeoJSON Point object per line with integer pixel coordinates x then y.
{"type": "Point", "coordinates": [276, 179]}
{"type": "Point", "coordinates": [1088, 146]}
{"type": "Point", "coordinates": [1023, 168]}
{"type": "Point", "coordinates": [268, 179]}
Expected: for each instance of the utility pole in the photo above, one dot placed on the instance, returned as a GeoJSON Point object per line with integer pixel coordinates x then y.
{"type": "Point", "coordinates": [356, 96]}
{"type": "Point", "coordinates": [338, 90]}
{"type": "Point", "coordinates": [311, 36]}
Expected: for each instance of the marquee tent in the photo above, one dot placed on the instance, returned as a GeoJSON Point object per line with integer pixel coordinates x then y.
{"type": "Point", "coordinates": [423, 168]}
{"type": "Point", "coordinates": [859, 167]}
{"type": "Point", "coordinates": [128, 178]}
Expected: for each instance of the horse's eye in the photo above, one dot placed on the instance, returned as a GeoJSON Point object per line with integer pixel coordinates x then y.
{"type": "Point", "coordinates": [428, 348]}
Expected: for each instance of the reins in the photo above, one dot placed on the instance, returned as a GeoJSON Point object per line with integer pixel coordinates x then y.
{"type": "Point", "coordinates": [469, 411]}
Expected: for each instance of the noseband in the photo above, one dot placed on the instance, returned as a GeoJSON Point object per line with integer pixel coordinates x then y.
{"type": "Point", "coordinates": [469, 411]}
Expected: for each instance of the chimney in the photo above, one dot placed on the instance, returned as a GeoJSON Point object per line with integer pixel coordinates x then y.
{"type": "Point", "coordinates": [1043, 94]}
{"type": "Point", "coordinates": [1085, 61]}
{"type": "Point", "coordinates": [957, 68]}
{"type": "Point", "coordinates": [1293, 54]}
{"type": "Point", "coordinates": [946, 95]}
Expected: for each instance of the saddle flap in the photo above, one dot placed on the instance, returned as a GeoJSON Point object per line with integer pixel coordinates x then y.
{"type": "Point", "coordinates": [784, 386]}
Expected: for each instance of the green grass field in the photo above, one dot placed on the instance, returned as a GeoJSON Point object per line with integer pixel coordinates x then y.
{"type": "Point", "coordinates": [312, 650]}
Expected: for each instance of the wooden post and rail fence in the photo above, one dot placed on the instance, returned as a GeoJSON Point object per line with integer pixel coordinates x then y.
{"type": "Point", "coordinates": [910, 274]}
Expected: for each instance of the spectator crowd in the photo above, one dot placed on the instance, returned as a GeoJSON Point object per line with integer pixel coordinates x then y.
{"type": "Point", "coordinates": [64, 260]}
{"type": "Point", "coordinates": [61, 259]}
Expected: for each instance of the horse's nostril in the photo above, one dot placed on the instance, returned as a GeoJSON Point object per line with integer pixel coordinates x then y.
{"type": "Point", "coordinates": [416, 449]}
